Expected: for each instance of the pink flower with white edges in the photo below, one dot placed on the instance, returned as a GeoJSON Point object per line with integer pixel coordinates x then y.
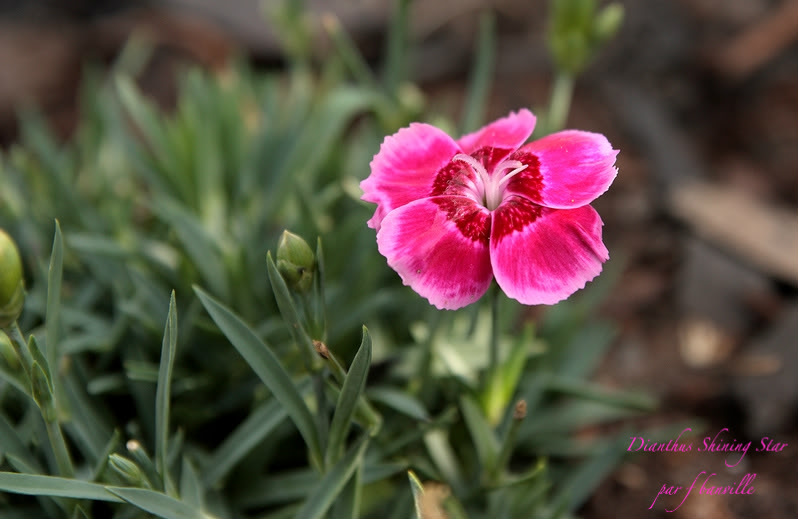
{"type": "Point", "coordinates": [453, 214]}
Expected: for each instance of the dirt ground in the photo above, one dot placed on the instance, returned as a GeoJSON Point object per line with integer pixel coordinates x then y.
{"type": "Point", "coordinates": [700, 96]}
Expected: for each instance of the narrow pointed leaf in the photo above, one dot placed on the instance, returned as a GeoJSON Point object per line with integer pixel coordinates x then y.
{"type": "Point", "coordinates": [396, 47]}
{"type": "Point", "coordinates": [191, 491]}
{"type": "Point", "coordinates": [54, 277]}
{"type": "Point", "coordinates": [320, 313]}
{"type": "Point", "coordinates": [400, 401]}
{"type": "Point", "coordinates": [39, 358]}
{"type": "Point", "coordinates": [481, 433]}
{"type": "Point", "coordinates": [584, 479]}
{"type": "Point", "coordinates": [157, 503]}
{"type": "Point", "coordinates": [278, 488]}
{"type": "Point", "coordinates": [199, 245]}
{"type": "Point", "coordinates": [242, 440]}
{"type": "Point", "coordinates": [481, 74]}
{"type": "Point", "coordinates": [418, 490]}
{"type": "Point", "coordinates": [445, 459]}
{"type": "Point", "coordinates": [351, 392]}
{"type": "Point", "coordinates": [289, 311]}
{"type": "Point", "coordinates": [36, 485]}
{"type": "Point", "coordinates": [12, 445]}
{"type": "Point", "coordinates": [347, 506]}
{"type": "Point", "coordinates": [15, 379]}
{"type": "Point", "coordinates": [334, 481]}
{"type": "Point", "coordinates": [88, 427]}
{"type": "Point", "coordinates": [268, 367]}
{"type": "Point", "coordinates": [164, 389]}
{"type": "Point", "coordinates": [588, 391]}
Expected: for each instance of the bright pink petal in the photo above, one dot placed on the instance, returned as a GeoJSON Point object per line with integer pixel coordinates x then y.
{"type": "Point", "coordinates": [541, 255]}
{"type": "Point", "coordinates": [405, 168]}
{"type": "Point", "coordinates": [439, 246]}
{"type": "Point", "coordinates": [565, 170]}
{"type": "Point", "coordinates": [508, 132]}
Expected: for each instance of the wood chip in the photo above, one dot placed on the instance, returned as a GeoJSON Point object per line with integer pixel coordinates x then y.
{"type": "Point", "coordinates": [760, 43]}
{"type": "Point", "coordinates": [756, 232]}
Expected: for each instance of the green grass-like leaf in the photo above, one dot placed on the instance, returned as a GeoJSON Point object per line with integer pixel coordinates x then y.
{"type": "Point", "coordinates": [157, 503]}
{"type": "Point", "coordinates": [351, 392]}
{"type": "Point", "coordinates": [12, 445]}
{"type": "Point", "coordinates": [290, 313]}
{"type": "Point", "coordinates": [481, 433]}
{"type": "Point", "coordinates": [582, 481]}
{"type": "Point", "coordinates": [54, 277]}
{"type": "Point", "coordinates": [36, 485]}
{"type": "Point", "coordinates": [333, 482]}
{"type": "Point", "coordinates": [163, 391]}
{"type": "Point", "coordinates": [199, 244]}
{"type": "Point", "coordinates": [417, 488]}
{"type": "Point", "coordinates": [481, 74]}
{"type": "Point", "coordinates": [191, 490]}
{"type": "Point", "coordinates": [258, 425]}
{"type": "Point", "coordinates": [400, 401]}
{"type": "Point", "coordinates": [268, 367]}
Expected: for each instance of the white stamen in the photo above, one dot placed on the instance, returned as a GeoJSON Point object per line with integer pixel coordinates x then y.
{"type": "Point", "coordinates": [476, 165]}
{"type": "Point", "coordinates": [492, 186]}
{"type": "Point", "coordinates": [477, 187]}
{"type": "Point", "coordinates": [496, 186]}
{"type": "Point", "coordinates": [519, 167]}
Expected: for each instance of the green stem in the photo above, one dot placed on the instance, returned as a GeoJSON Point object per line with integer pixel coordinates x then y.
{"type": "Point", "coordinates": [62, 457]}
{"type": "Point", "coordinates": [560, 104]}
{"type": "Point", "coordinates": [396, 62]}
{"type": "Point", "coordinates": [322, 424]}
{"type": "Point", "coordinates": [348, 51]}
{"type": "Point", "coordinates": [508, 443]}
{"type": "Point", "coordinates": [419, 385]}
{"type": "Point", "coordinates": [482, 73]}
{"type": "Point", "coordinates": [493, 361]}
{"type": "Point", "coordinates": [307, 313]}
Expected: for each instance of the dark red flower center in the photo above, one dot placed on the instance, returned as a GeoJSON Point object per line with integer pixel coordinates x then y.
{"type": "Point", "coordinates": [490, 180]}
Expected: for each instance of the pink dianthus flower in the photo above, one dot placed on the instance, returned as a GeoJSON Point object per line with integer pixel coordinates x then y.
{"type": "Point", "coordinates": [453, 214]}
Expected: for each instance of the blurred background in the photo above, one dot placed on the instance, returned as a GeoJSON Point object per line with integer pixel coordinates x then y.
{"type": "Point", "coordinates": [700, 96]}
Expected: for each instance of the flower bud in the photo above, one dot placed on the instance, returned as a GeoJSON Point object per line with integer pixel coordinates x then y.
{"type": "Point", "coordinates": [144, 462]}
{"type": "Point", "coordinates": [607, 22]}
{"type": "Point", "coordinates": [128, 469]}
{"type": "Point", "coordinates": [295, 261]}
{"type": "Point", "coordinates": [12, 286]}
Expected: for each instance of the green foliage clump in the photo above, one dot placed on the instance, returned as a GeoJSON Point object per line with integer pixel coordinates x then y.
{"type": "Point", "coordinates": [171, 367]}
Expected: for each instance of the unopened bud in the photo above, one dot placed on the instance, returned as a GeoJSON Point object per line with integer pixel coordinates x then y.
{"type": "Point", "coordinates": [128, 469]}
{"type": "Point", "coordinates": [607, 22]}
{"type": "Point", "coordinates": [295, 261]}
{"type": "Point", "coordinates": [12, 286]}
{"type": "Point", "coordinates": [144, 462]}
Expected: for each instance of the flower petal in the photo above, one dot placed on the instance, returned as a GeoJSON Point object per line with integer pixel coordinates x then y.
{"type": "Point", "coordinates": [541, 255]}
{"type": "Point", "coordinates": [508, 132]}
{"type": "Point", "coordinates": [439, 246]}
{"type": "Point", "coordinates": [565, 170]}
{"type": "Point", "coordinates": [405, 168]}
